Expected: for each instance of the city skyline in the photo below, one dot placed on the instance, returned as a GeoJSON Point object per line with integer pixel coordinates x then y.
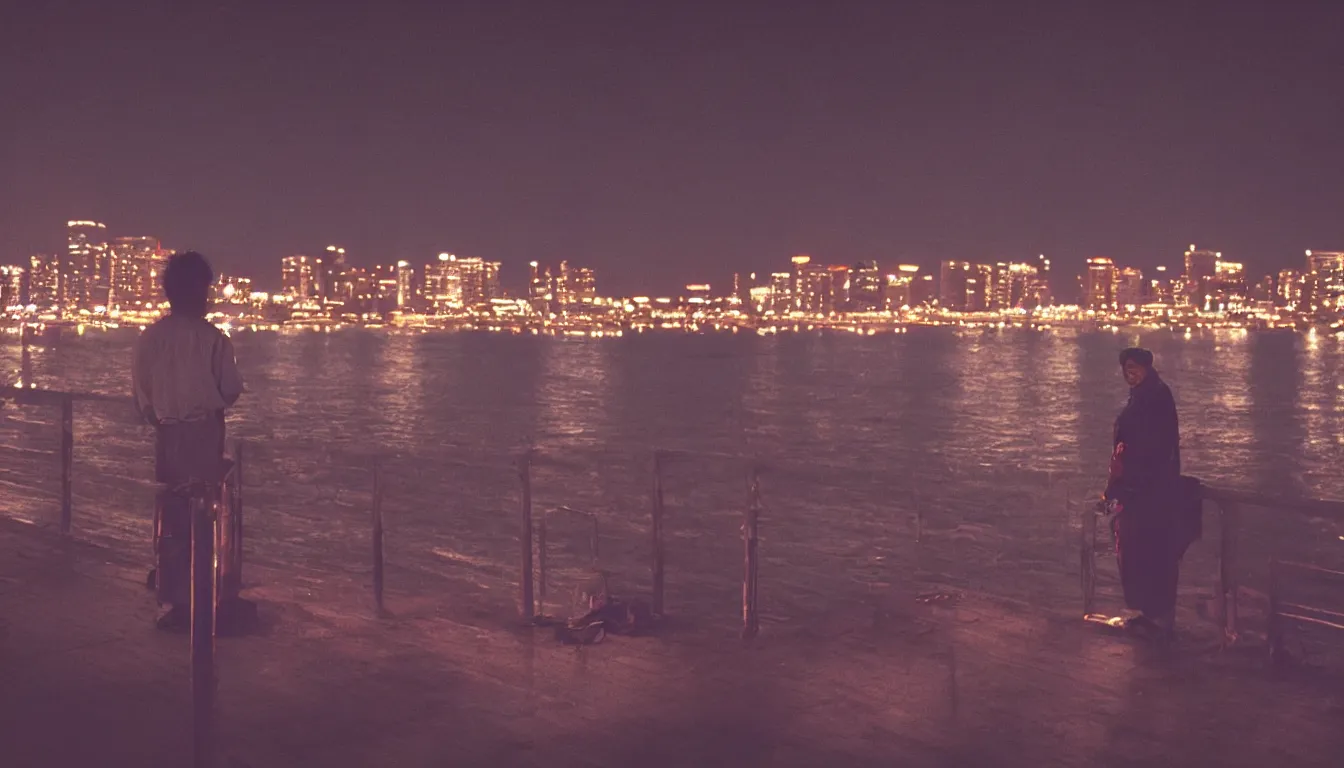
{"type": "Point", "coordinates": [111, 279]}
{"type": "Point", "coordinates": [656, 143]}
{"type": "Point", "coordinates": [518, 279]}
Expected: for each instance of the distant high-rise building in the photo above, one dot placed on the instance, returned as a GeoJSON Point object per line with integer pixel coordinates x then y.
{"type": "Point", "coordinates": [11, 288]}
{"type": "Point", "coordinates": [1160, 288]}
{"type": "Point", "coordinates": [443, 283]}
{"type": "Point", "coordinates": [480, 280]}
{"type": "Point", "coordinates": [86, 271]}
{"type": "Point", "coordinates": [1042, 288]}
{"type": "Point", "coordinates": [966, 287]}
{"type": "Point", "coordinates": [583, 285]}
{"type": "Point", "coordinates": [299, 278]}
{"type": "Point", "coordinates": [1129, 288]}
{"type": "Point", "coordinates": [573, 286]}
{"type": "Point", "coordinates": [1016, 285]}
{"type": "Point", "coordinates": [811, 287]}
{"type": "Point", "coordinates": [405, 285]}
{"type": "Point", "coordinates": [335, 287]}
{"type": "Point", "coordinates": [1099, 292]}
{"type": "Point", "coordinates": [781, 293]}
{"type": "Point", "coordinates": [865, 287]}
{"type": "Point", "coordinates": [232, 290]}
{"type": "Point", "coordinates": [1323, 288]}
{"type": "Point", "coordinates": [1228, 290]}
{"type": "Point", "coordinates": [800, 263]}
{"type": "Point", "coordinates": [741, 295]}
{"type": "Point", "coordinates": [1288, 292]}
{"type": "Point", "coordinates": [955, 285]}
{"type": "Point", "coordinates": [561, 289]}
{"type": "Point", "coordinates": [1262, 293]}
{"type": "Point", "coordinates": [980, 288]}
{"type": "Point", "coordinates": [137, 263]}
{"type": "Point", "coordinates": [45, 282]}
{"type": "Point", "coordinates": [839, 282]}
{"type": "Point", "coordinates": [901, 289]}
{"type": "Point", "coordinates": [1201, 269]}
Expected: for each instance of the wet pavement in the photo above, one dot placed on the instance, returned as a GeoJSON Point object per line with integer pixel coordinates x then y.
{"type": "Point", "coordinates": [910, 679]}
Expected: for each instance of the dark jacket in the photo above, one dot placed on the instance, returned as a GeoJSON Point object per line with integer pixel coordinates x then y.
{"type": "Point", "coordinates": [1148, 428]}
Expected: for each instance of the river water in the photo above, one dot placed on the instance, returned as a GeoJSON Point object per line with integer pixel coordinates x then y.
{"type": "Point", "coordinates": [933, 459]}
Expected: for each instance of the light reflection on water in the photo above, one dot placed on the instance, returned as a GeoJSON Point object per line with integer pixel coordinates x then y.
{"type": "Point", "coordinates": [936, 418]}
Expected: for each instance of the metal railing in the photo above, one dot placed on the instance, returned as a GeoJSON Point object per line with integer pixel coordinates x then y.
{"type": "Point", "coordinates": [1229, 505]}
{"type": "Point", "coordinates": [533, 576]}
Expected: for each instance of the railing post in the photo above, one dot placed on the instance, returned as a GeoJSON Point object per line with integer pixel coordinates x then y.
{"type": "Point", "coordinates": [657, 543]}
{"type": "Point", "coordinates": [377, 538]}
{"type": "Point", "coordinates": [1228, 588]}
{"type": "Point", "coordinates": [67, 458]}
{"type": "Point", "coordinates": [25, 358]}
{"type": "Point", "coordinates": [750, 609]}
{"type": "Point", "coordinates": [1087, 566]}
{"type": "Point", "coordinates": [1276, 651]}
{"type": "Point", "coordinates": [202, 628]}
{"type": "Point", "coordinates": [238, 512]}
{"type": "Point", "coordinates": [525, 576]}
{"type": "Point", "coordinates": [597, 555]}
{"type": "Point", "coordinates": [541, 566]}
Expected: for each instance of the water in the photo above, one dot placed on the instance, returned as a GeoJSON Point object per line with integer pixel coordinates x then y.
{"type": "Point", "coordinates": [987, 441]}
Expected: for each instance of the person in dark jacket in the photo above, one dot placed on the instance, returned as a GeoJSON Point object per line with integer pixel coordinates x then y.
{"type": "Point", "coordinates": [1144, 489]}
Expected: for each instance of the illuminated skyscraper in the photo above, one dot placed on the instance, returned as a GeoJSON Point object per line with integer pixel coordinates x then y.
{"type": "Point", "coordinates": [583, 285]}
{"type": "Point", "coordinates": [839, 284]}
{"type": "Point", "coordinates": [1201, 269]}
{"type": "Point", "coordinates": [865, 287]}
{"type": "Point", "coordinates": [443, 283]}
{"type": "Point", "coordinates": [1016, 286]}
{"type": "Point", "coordinates": [902, 288]}
{"type": "Point", "coordinates": [1099, 292]}
{"type": "Point", "coordinates": [231, 291]}
{"type": "Point", "coordinates": [811, 288]}
{"type": "Point", "coordinates": [137, 263]}
{"type": "Point", "coordinates": [299, 278]}
{"type": "Point", "coordinates": [334, 286]}
{"type": "Point", "coordinates": [1043, 289]}
{"type": "Point", "coordinates": [1288, 291]}
{"type": "Point", "coordinates": [1323, 289]}
{"type": "Point", "coordinates": [955, 286]}
{"type": "Point", "coordinates": [980, 288]}
{"type": "Point", "coordinates": [574, 285]}
{"type": "Point", "coordinates": [781, 293]}
{"type": "Point", "coordinates": [1129, 288]}
{"type": "Point", "coordinates": [479, 280]}
{"type": "Point", "coordinates": [798, 288]}
{"type": "Point", "coordinates": [86, 273]}
{"type": "Point", "coordinates": [1160, 288]}
{"type": "Point", "coordinates": [405, 285]}
{"type": "Point", "coordinates": [45, 287]}
{"type": "Point", "coordinates": [1228, 290]}
{"type": "Point", "coordinates": [11, 288]}
{"type": "Point", "coordinates": [1262, 293]}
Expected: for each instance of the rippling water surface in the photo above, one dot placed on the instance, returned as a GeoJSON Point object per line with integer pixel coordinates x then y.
{"type": "Point", "coordinates": [937, 458]}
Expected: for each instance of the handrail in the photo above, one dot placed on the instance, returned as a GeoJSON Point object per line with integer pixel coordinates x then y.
{"type": "Point", "coordinates": [35, 396]}
{"type": "Point", "coordinates": [1225, 495]}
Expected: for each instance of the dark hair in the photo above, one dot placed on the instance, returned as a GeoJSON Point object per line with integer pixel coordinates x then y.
{"type": "Point", "coordinates": [186, 282]}
{"type": "Point", "coordinates": [1141, 356]}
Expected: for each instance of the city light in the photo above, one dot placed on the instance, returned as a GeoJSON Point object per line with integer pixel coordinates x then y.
{"type": "Point", "coordinates": [107, 282]}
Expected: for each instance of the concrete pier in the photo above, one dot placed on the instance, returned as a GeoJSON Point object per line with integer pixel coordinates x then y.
{"type": "Point", "coordinates": [86, 680]}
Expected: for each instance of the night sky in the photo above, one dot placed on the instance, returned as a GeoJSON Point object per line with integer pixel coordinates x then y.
{"type": "Point", "coordinates": [664, 143]}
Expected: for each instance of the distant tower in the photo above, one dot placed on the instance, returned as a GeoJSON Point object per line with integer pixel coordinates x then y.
{"type": "Point", "coordinates": [1101, 283]}
{"type": "Point", "coordinates": [87, 270]}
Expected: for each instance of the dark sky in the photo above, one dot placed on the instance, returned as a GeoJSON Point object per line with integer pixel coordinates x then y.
{"type": "Point", "coordinates": [665, 142]}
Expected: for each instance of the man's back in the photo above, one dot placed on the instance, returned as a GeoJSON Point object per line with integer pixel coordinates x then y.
{"type": "Point", "coordinates": [184, 370]}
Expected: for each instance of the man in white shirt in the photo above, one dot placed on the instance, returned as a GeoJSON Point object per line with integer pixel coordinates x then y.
{"type": "Point", "coordinates": [184, 376]}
